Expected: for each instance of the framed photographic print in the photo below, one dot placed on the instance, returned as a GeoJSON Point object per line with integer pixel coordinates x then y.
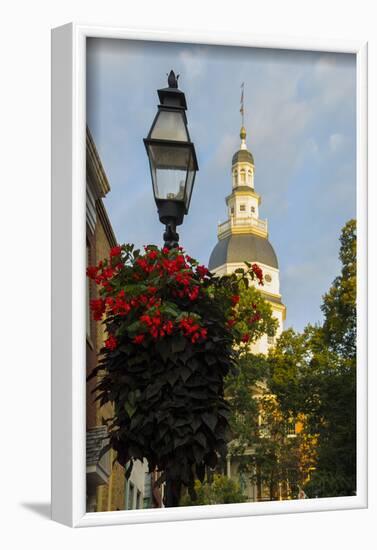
{"type": "Point", "coordinates": [209, 275]}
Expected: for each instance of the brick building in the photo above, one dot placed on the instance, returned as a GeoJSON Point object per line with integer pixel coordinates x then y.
{"type": "Point", "coordinates": [105, 483]}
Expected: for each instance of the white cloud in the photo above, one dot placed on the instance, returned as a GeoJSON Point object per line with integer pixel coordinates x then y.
{"type": "Point", "coordinates": [192, 63]}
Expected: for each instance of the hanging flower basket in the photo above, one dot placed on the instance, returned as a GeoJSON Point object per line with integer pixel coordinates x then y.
{"type": "Point", "coordinates": [172, 331]}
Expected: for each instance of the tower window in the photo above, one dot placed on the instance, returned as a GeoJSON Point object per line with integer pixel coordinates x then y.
{"type": "Point", "coordinates": [243, 177]}
{"type": "Point", "coordinates": [252, 209]}
{"type": "Point", "coordinates": [235, 177]}
{"type": "Point", "coordinates": [242, 207]}
{"type": "Point", "coordinates": [232, 210]}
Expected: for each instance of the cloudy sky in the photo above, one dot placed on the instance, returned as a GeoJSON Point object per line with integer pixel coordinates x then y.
{"type": "Point", "coordinates": [300, 117]}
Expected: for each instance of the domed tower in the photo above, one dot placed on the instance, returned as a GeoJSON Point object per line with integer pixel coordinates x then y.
{"type": "Point", "coordinates": [244, 237]}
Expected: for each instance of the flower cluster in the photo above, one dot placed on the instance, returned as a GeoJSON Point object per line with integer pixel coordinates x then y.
{"type": "Point", "coordinates": [143, 308]}
{"type": "Point", "coordinates": [192, 329]}
{"type": "Point", "coordinates": [156, 326]}
{"type": "Point", "coordinates": [157, 294]}
{"type": "Point", "coordinates": [258, 273]}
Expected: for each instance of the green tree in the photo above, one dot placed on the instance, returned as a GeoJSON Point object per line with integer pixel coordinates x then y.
{"type": "Point", "coordinates": [314, 373]}
{"type": "Point", "coordinates": [261, 447]}
{"type": "Point", "coordinates": [339, 304]}
{"type": "Point", "coordinates": [221, 490]}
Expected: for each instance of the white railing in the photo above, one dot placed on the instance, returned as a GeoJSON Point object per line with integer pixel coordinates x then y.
{"type": "Point", "coordinates": [242, 222]}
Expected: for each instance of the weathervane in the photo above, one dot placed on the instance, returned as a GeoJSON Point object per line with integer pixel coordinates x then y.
{"type": "Point", "coordinates": [242, 103]}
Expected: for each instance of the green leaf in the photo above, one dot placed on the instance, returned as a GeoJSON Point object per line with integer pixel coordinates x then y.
{"type": "Point", "coordinates": [178, 344]}
{"type": "Point", "coordinates": [210, 419]}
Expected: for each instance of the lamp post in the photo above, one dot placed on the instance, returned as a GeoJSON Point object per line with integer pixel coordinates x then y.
{"type": "Point", "coordinates": [173, 166]}
{"type": "Point", "coordinates": [172, 159]}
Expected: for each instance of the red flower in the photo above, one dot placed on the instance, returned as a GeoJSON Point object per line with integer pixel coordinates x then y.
{"type": "Point", "coordinates": [182, 278]}
{"type": "Point", "coordinates": [191, 329]}
{"type": "Point", "coordinates": [141, 262]}
{"type": "Point", "coordinates": [108, 273]}
{"type": "Point", "coordinates": [92, 271]}
{"type": "Point", "coordinates": [139, 338]}
{"type": "Point", "coordinates": [98, 307]}
{"type": "Point", "coordinates": [258, 273]}
{"type": "Point", "coordinates": [202, 271]}
{"type": "Point", "coordinates": [168, 327]}
{"type": "Point", "coordinates": [152, 255]}
{"type": "Point", "coordinates": [193, 295]}
{"type": "Point", "coordinates": [245, 338]}
{"type": "Point", "coordinates": [231, 322]}
{"type": "Point", "coordinates": [111, 343]}
{"type": "Point", "coordinates": [115, 251]}
{"type": "Point", "coordinates": [235, 299]}
{"type": "Point", "coordinates": [146, 319]}
{"type": "Point", "coordinates": [256, 317]}
{"type": "Point", "coordinates": [165, 250]}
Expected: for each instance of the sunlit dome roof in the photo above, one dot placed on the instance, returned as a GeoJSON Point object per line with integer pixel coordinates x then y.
{"type": "Point", "coordinates": [243, 155]}
{"type": "Point", "coordinates": [241, 248]}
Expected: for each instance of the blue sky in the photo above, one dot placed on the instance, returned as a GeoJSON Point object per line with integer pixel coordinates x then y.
{"type": "Point", "coordinates": [300, 117]}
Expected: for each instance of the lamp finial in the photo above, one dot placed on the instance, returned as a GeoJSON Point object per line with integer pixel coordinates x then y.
{"type": "Point", "coordinates": [172, 79]}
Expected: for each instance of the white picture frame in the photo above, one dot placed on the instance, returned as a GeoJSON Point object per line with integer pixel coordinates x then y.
{"type": "Point", "coordinates": [68, 283]}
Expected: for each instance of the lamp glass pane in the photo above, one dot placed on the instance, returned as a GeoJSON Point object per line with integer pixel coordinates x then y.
{"type": "Point", "coordinates": [169, 170]}
{"type": "Point", "coordinates": [170, 125]}
{"type": "Point", "coordinates": [189, 182]}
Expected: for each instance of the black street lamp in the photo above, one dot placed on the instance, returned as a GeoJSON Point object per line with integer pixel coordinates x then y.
{"type": "Point", "coordinates": [172, 159]}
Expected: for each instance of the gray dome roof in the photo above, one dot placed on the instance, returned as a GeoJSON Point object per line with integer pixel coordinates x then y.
{"type": "Point", "coordinates": [241, 248]}
{"type": "Point", "coordinates": [243, 155]}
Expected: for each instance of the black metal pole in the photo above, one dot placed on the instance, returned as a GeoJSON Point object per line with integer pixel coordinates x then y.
{"type": "Point", "coordinates": [171, 237]}
{"type": "Point", "coordinates": [172, 491]}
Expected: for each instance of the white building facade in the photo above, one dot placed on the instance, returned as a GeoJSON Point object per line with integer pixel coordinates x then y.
{"type": "Point", "coordinates": [244, 237]}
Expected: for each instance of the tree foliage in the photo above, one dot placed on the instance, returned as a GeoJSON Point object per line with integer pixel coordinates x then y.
{"type": "Point", "coordinates": [314, 373]}
{"type": "Point", "coordinates": [263, 449]}
{"type": "Point", "coordinates": [339, 304]}
{"type": "Point", "coordinates": [220, 490]}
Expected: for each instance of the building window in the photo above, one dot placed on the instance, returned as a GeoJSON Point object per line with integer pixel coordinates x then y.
{"type": "Point", "coordinates": [243, 177]}
{"type": "Point", "coordinates": [232, 210]}
{"type": "Point", "coordinates": [263, 429]}
{"type": "Point", "coordinates": [270, 340]}
{"type": "Point", "coordinates": [235, 177]}
{"type": "Point", "coordinates": [242, 207]}
{"type": "Point", "coordinates": [290, 428]}
{"type": "Point", "coordinates": [252, 209]}
{"type": "Point", "coordinates": [268, 278]}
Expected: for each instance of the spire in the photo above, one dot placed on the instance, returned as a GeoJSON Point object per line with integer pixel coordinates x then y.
{"type": "Point", "coordinates": [243, 138]}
